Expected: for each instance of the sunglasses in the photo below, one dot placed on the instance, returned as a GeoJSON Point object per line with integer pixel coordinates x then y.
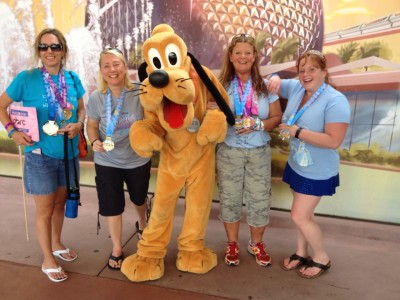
{"type": "Point", "coordinates": [111, 49]}
{"type": "Point", "coordinates": [53, 47]}
{"type": "Point", "coordinates": [243, 36]}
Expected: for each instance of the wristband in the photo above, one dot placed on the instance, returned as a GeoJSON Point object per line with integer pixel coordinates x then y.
{"type": "Point", "coordinates": [10, 133]}
{"type": "Point", "coordinates": [8, 125]}
{"type": "Point", "coordinates": [91, 144]}
{"type": "Point", "coordinates": [83, 124]}
{"type": "Point", "coordinates": [273, 74]}
{"type": "Point", "coordinates": [298, 132]}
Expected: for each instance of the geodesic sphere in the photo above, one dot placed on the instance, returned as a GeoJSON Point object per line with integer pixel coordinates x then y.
{"type": "Point", "coordinates": [302, 19]}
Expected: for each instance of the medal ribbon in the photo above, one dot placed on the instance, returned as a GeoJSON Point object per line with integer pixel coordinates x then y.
{"type": "Point", "coordinates": [54, 93]}
{"type": "Point", "coordinates": [112, 119]}
{"type": "Point", "coordinates": [295, 116]}
{"type": "Point", "coordinates": [242, 99]}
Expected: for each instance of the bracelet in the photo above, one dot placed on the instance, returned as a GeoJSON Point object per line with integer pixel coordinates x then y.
{"type": "Point", "coordinates": [83, 124]}
{"type": "Point", "coordinates": [91, 144]}
{"type": "Point", "coordinates": [298, 132]}
{"type": "Point", "coordinates": [10, 133]}
{"type": "Point", "coordinates": [8, 125]}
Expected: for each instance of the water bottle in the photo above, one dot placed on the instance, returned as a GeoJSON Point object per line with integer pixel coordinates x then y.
{"type": "Point", "coordinates": [72, 203]}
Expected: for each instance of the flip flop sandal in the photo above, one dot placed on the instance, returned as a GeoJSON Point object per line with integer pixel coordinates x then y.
{"type": "Point", "coordinates": [58, 270]}
{"type": "Point", "coordinates": [139, 231]}
{"type": "Point", "coordinates": [302, 261]}
{"type": "Point", "coordinates": [58, 253]}
{"type": "Point", "coordinates": [313, 264]}
{"type": "Point", "coordinates": [116, 259]}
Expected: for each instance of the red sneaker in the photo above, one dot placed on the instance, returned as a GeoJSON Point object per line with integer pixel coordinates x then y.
{"type": "Point", "coordinates": [232, 254]}
{"type": "Point", "coordinates": [258, 250]}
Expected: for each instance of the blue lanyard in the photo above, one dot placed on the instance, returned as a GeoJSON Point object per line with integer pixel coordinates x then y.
{"type": "Point", "coordinates": [295, 116]}
{"type": "Point", "coordinates": [112, 119]}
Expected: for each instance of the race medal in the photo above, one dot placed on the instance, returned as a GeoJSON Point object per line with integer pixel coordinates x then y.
{"type": "Point", "coordinates": [284, 135]}
{"type": "Point", "coordinates": [194, 127]}
{"type": "Point", "coordinates": [50, 128]}
{"type": "Point", "coordinates": [67, 113]}
{"type": "Point", "coordinates": [108, 144]}
{"type": "Point", "coordinates": [238, 123]}
{"type": "Point", "coordinates": [248, 122]}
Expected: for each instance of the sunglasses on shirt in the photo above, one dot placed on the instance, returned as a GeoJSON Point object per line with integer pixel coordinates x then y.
{"type": "Point", "coordinates": [53, 47]}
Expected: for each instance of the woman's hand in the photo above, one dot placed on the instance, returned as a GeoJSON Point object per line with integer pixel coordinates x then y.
{"type": "Point", "coordinates": [97, 146]}
{"type": "Point", "coordinates": [71, 129]}
{"type": "Point", "coordinates": [244, 131]}
{"type": "Point", "coordinates": [21, 138]}
{"type": "Point", "coordinates": [274, 84]}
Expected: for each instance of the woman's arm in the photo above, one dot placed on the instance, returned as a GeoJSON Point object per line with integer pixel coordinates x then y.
{"type": "Point", "coordinates": [332, 137]}
{"type": "Point", "coordinates": [20, 138]}
{"type": "Point", "coordinates": [73, 129]}
{"type": "Point", "coordinates": [93, 133]}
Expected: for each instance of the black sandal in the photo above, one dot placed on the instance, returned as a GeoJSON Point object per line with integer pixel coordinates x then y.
{"type": "Point", "coordinates": [313, 264]}
{"type": "Point", "coordinates": [302, 261]}
{"type": "Point", "coordinates": [116, 259]}
{"type": "Point", "coordinates": [139, 231]}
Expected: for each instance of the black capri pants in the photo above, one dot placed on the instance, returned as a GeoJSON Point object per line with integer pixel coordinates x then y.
{"type": "Point", "coordinates": [110, 187]}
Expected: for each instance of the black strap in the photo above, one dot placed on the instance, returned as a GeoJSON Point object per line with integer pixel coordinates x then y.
{"type": "Point", "coordinates": [67, 165]}
{"type": "Point", "coordinates": [213, 90]}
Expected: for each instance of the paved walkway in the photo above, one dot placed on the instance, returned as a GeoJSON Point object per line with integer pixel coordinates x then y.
{"type": "Point", "coordinates": [364, 259]}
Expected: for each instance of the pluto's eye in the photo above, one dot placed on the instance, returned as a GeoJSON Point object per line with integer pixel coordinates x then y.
{"type": "Point", "coordinates": [174, 56]}
{"type": "Point", "coordinates": [155, 59]}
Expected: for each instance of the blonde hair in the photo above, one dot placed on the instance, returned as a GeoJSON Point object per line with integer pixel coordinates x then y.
{"type": "Point", "coordinates": [228, 72]}
{"type": "Point", "coordinates": [103, 88]}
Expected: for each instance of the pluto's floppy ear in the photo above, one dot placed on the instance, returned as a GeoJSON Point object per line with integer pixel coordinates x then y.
{"type": "Point", "coordinates": [142, 72]}
{"type": "Point", "coordinates": [213, 90]}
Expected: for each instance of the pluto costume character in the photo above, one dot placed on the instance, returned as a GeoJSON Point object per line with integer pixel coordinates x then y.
{"type": "Point", "coordinates": [177, 124]}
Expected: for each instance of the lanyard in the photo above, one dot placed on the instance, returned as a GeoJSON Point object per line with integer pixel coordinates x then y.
{"type": "Point", "coordinates": [56, 95]}
{"type": "Point", "coordinates": [295, 116]}
{"type": "Point", "coordinates": [242, 98]}
{"type": "Point", "coordinates": [112, 118]}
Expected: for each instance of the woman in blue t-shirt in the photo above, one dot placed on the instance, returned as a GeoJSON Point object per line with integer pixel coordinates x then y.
{"type": "Point", "coordinates": [57, 96]}
{"type": "Point", "coordinates": [316, 119]}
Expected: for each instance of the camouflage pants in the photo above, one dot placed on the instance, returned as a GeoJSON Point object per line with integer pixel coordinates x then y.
{"type": "Point", "coordinates": [244, 177]}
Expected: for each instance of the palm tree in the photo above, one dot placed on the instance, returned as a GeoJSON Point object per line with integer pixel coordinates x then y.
{"type": "Point", "coordinates": [368, 49]}
{"type": "Point", "coordinates": [285, 50]}
{"type": "Point", "coordinates": [136, 56]}
{"type": "Point", "coordinates": [261, 39]}
{"type": "Point", "coordinates": [347, 51]}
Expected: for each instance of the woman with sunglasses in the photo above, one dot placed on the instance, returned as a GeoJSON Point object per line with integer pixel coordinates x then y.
{"type": "Point", "coordinates": [57, 96]}
{"type": "Point", "coordinates": [112, 109]}
{"type": "Point", "coordinates": [244, 158]}
{"type": "Point", "coordinates": [316, 119]}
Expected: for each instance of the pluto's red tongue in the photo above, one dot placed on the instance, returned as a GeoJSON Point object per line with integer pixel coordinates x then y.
{"type": "Point", "coordinates": [173, 114]}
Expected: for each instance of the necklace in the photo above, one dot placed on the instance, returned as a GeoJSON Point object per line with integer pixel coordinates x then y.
{"type": "Point", "coordinates": [112, 118]}
{"type": "Point", "coordinates": [242, 97]}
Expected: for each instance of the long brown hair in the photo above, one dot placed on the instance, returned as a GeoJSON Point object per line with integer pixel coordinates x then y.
{"type": "Point", "coordinates": [228, 72]}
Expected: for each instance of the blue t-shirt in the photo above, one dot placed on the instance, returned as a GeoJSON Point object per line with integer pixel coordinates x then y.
{"type": "Point", "coordinates": [330, 107]}
{"type": "Point", "coordinates": [28, 87]}
{"type": "Point", "coordinates": [256, 138]}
